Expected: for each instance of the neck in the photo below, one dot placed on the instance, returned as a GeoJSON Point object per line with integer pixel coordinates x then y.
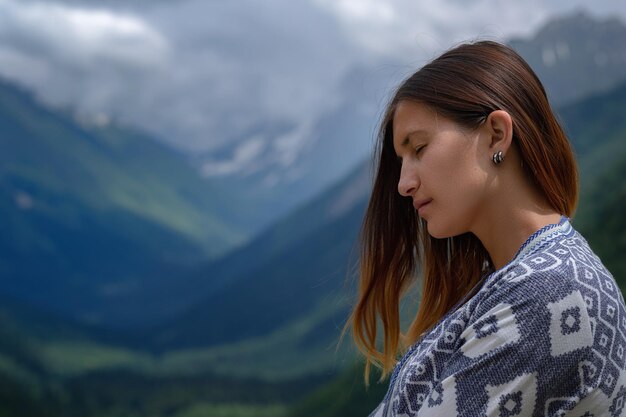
{"type": "Point", "coordinates": [503, 237]}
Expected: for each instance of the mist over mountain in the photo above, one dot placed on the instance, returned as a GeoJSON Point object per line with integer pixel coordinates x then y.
{"type": "Point", "coordinates": [253, 98]}
{"type": "Point", "coordinates": [312, 159]}
{"type": "Point", "coordinates": [576, 55]}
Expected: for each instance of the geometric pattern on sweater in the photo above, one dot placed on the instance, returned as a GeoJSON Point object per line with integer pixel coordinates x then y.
{"type": "Point", "coordinates": [543, 336]}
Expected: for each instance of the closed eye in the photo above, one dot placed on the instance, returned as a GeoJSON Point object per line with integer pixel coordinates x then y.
{"type": "Point", "coordinates": [417, 151]}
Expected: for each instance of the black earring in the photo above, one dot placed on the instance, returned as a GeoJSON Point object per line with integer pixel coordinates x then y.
{"type": "Point", "coordinates": [498, 157]}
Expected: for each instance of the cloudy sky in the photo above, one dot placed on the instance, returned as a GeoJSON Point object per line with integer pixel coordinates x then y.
{"type": "Point", "coordinates": [198, 73]}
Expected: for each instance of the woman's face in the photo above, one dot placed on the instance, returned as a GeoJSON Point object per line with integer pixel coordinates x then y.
{"type": "Point", "coordinates": [444, 168]}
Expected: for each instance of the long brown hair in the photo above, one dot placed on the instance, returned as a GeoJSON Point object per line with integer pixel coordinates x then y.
{"type": "Point", "coordinates": [465, 84]}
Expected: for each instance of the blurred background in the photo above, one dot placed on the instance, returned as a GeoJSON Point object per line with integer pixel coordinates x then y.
{"type": "Point", "coordinates": [182, 184]}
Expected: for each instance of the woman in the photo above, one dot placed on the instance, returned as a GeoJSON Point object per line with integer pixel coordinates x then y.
{"type": "Point", "coordinates": [475, 185]}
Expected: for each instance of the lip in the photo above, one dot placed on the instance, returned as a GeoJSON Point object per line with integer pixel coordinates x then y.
{"type": "Point", "coordinates": [421, 203]}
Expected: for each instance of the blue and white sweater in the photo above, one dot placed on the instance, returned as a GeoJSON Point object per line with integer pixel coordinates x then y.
{"type": "Point", "coordinates": [543, 336]}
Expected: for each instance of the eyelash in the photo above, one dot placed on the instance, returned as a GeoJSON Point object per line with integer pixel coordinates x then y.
{"type": "Point", "coordinates": [417, 151]}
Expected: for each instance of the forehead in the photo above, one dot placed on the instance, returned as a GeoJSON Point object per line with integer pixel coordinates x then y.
{"type": "Point", "coordinates": [413, 118]}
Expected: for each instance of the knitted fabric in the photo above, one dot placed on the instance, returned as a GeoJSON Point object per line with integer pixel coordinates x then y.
{"type": "Point", "coordinates": [543, 336]}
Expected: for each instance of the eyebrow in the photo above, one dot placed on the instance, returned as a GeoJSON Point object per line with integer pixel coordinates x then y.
{"type": "Point", "coordinates": [418, 132]}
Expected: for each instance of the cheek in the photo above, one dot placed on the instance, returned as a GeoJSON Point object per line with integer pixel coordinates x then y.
{"type": "Point", "coordinates": [465, 183]}
{"type": "Point", "coordinates": [458, 171]}
{"type": "Point", "coordinates": [453, 168]}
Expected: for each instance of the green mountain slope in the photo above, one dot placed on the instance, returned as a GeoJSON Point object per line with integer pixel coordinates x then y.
{"type": "Point", "coordinates": [281, 274]}
{"type": "Point", "coordinates": [92, 214]}
{"type": "Point", "coordinates": [596, 126]}
{"type": "Point", "coordinates": [270, 245]}
{"type": "Point", "coordinates": [604, 225]}
{"type": "Point", "coordinates": [89, 376]}
{"type": "Point", "coordinates": [346, 397]}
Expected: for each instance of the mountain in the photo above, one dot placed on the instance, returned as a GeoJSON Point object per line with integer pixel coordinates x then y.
{"type": "Point", "coordinates": [346, 396]}
{"type": "Point", "coordinates": [604, 224]}
{"type": "Point", "coordinates": [596, 126]}
{"type": "Point", "coordinates": [287, 272]}
{"type": "Point", "coordinates": [576, 55]}
{"type": "Point", "coordinates": [280, 166]}
{"type": "Point", "coordinates": [94, 215]}
{"type": "Point", "coordinates": [50, 366]}
{"type": "Point", "coordinates": [270, 245]}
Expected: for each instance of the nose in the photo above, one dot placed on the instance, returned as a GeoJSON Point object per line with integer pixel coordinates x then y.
{"type": "Point", "coordinates": [409, 180]}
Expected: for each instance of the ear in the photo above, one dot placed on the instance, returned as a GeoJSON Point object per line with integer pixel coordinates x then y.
{"type": "Point", "coordinates": [499, 129]}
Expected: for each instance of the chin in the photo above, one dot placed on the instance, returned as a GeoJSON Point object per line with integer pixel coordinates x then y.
{"type": "Point", "coordinates": [436, 233]}
{"type": "Point", "coordinates": [439, 232]}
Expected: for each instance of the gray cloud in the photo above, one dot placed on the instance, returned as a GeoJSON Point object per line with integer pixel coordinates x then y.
{"type": "Point", "coordinates": [200, 73]}
{"type": "Point", "coordinates": [195, 73]}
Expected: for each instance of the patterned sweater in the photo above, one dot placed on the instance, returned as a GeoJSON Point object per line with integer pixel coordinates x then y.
{"type": "Point", "coordinates": [543, 336]}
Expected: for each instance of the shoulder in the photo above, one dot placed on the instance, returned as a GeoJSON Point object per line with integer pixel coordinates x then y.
{"type": "Point", "coordinates": [557, 312]}
{"type": "Point", "coordinates": [563, 268]}
{"type": "Point", "coordinates": [560, 294]}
